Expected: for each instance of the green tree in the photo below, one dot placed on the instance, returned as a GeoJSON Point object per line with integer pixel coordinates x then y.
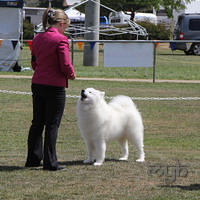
{"type": "Point", "coordinates": [128, 4]}
{"type": "Point", "coordinates": [54, 3]}
{"type": "Point", "coordinates": [170, 6]}
{"type": "Point", "coordinates": [134, 5]}
{"type": "Point", "coordinates": [44, 3]}
{"type": "Point", "coordinates": [28, 30]}
{"type": "Point", "coordinates": [31, 3]}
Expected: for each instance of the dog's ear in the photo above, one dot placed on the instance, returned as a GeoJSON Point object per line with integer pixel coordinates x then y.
{"type": "Point", "coordinates": [102, 94]}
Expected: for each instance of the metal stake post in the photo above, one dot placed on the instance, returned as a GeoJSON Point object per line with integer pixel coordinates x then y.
{"type": "Point", "coordinates": [154, 61]}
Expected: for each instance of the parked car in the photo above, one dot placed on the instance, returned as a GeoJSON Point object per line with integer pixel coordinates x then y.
{"type": "Point", "coordinates": [188, 28]}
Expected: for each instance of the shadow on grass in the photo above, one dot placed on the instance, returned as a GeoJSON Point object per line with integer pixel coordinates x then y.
{"type": "Point", "coordinates": [80, 162]}
{"type": "Point", "coordinates": [170, 54]}
{"type": "Point", "coordinates": [10, 168]}
{"type": "Point", "coordinates": [190, 187]}
{"type": "Point", "coordinates": [114, 160]}
{"type": "Point", "coordinates": [71, 163]}
{"type": "Point", "coordinates": [67, 163]}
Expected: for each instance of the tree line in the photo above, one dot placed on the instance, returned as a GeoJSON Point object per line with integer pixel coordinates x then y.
{"type": "Point", "coordinates": [118, 5]}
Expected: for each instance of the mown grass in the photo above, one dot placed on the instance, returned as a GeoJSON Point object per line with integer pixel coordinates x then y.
{"type": "Point", "coordinates": [169, 65]}
{"type": "Point", "coordinates": [171, 133]}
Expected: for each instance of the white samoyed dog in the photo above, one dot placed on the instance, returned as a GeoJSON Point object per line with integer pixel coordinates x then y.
{"type": "Point", "coordinates": [100, 122]}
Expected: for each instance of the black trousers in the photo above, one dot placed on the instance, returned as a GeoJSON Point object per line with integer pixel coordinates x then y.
{"type": "Point", "coordinates": [48, 107]}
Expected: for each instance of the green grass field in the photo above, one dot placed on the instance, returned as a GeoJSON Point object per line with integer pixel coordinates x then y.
{"type": "Point", "coordinates": [171, 134]}
{"type": "Point", "coordinates": [169, 65]}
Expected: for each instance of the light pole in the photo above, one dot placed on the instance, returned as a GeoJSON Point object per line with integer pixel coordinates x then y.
{"type": "Point", "coordinates": [92, 13]}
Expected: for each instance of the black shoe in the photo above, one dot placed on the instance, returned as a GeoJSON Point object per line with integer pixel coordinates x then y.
{"type": "Point", "coordinates": [33, 165]}
{"type": "Point", "coordinates": [54, 168]}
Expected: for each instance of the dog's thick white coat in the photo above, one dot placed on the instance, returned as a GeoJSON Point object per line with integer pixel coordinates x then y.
{"type": "Point", "coordinates": [100, 122]}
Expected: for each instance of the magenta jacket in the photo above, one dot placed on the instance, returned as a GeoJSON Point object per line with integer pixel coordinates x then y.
{"type": "Point", "coordinates": [50, 59]}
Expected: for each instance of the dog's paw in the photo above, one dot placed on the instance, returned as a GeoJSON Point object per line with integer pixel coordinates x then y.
{"type": "Point", "coordinates": [88, 161]}
{"type": "Point", "coordinates": [140, 160]}
{"type": "Point", "coordinates": [123, 158]}
{"type": "Point", "coordinates": [98, 163]}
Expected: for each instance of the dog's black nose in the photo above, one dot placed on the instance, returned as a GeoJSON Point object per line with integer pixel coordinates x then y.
{"type": "Point", "coordinates": [82, 92]}
{"type": "Point", "coordinates": [83, 95]}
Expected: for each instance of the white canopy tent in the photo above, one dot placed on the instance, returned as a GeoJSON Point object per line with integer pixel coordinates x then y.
{"type": "Point", "coordinates": [75, 16]}
{"type": "Point", "coordinates": [110, 29]}
{"type": "Point", "coordinates": [71, 2]}
{"type": "Point", "coordinates": [77, 26]}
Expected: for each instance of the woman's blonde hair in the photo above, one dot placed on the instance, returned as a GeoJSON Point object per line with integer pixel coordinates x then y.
{"type": "Point", "coordinates": [52, 16]}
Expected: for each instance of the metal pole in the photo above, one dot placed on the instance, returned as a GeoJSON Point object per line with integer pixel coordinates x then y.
{"type": "Point", "coordinates": [50, 3]}
{"type": "Point", "coordinates": [91, 50]}
{"type": "Point", "coordinates": [154, 62]}
{"type": "Point", "coordinates": [72, 49]}
{"type": "Point", "coordinates": [22, 40]}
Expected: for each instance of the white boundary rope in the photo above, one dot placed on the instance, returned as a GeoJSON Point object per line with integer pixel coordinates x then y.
{"type": "Point", "coordinates": [133, 98]}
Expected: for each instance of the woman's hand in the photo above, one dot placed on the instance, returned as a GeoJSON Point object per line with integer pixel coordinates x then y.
{"type": "Point", "coordinates": [73, 77]}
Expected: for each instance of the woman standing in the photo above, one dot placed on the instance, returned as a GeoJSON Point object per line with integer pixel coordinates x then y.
{"type": "Point", "coordinates": [52, 69]}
